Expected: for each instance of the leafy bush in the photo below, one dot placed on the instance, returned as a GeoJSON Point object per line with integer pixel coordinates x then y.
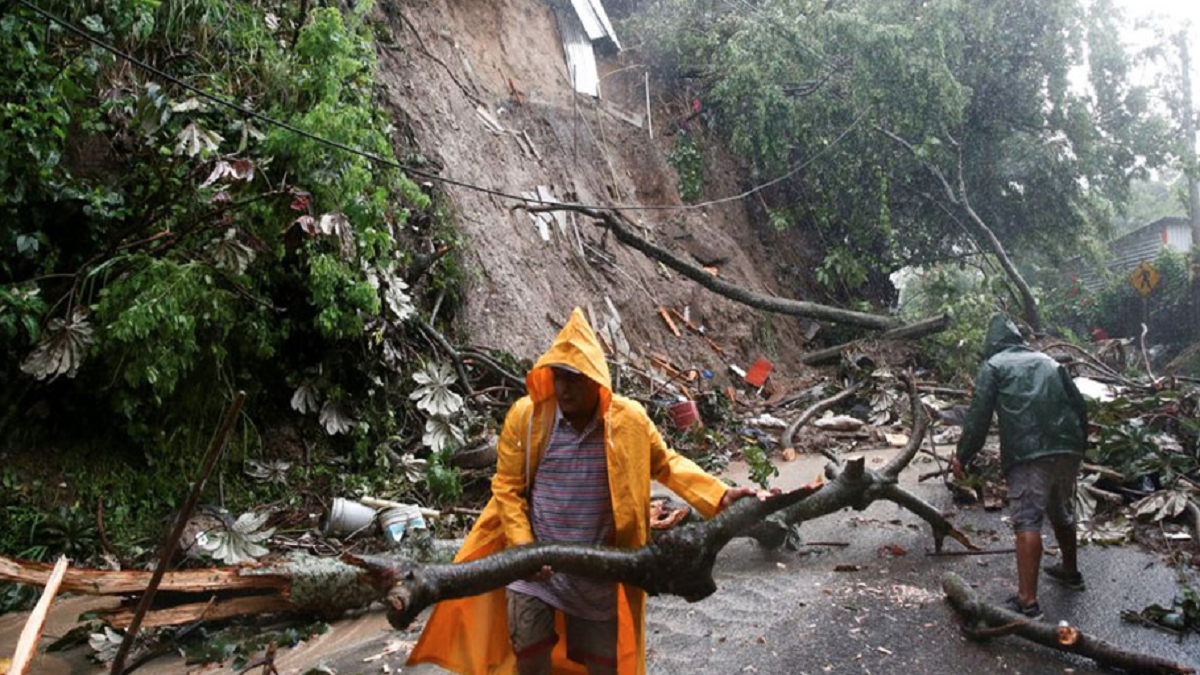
{"type": "Point", "coordinates": [968, 297]}
{"type": "Point", "coordinates": [160, 251]}
{"type": "Point", "coordinates": [688, 161]}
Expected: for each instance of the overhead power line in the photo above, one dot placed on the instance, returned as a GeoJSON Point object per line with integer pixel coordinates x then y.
{"type": "Point", "coordinates": [265, 119]}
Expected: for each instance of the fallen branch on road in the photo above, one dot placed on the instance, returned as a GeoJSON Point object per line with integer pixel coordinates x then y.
{"type": "Point", "coordinates": [983, 619]}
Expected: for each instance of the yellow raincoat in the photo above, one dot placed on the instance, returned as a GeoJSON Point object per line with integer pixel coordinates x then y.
{"type": "Point", "coordinates": [470, 635]}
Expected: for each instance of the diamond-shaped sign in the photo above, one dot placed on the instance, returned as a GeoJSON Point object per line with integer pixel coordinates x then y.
{"type": "Point", "coordinates": [1144, 278]}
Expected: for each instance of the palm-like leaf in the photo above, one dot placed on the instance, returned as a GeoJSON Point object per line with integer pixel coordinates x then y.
{"type": "Point", "coordinates": [434, 396]}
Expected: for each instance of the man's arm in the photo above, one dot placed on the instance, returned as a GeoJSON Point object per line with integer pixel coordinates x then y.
{"type": "Point", "coordinates": [697, 487]}
{"type": "Point", "coordinates": [979, 417]}
{"type": "Point", "coordinates": [508, 485]}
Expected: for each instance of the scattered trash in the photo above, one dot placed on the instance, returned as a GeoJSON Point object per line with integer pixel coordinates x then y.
{"type": "Point", "coordinates": [684, 414]}
{"type": "Point", "coordinates": [347, 517]}
{"type": "Point", "coordinates": [757, 375]}
{"type": "Point", "coordinates": [767, 420]}
{"type": "Point", "coordinates": [848, 568]}
{"type": "Point", "coordinates": [838, 423]}
{"type": "Point", "coordinates": [395, 521]}
{"type": "Point", "coordinates": [1096, 390]}
{"type": "Point", "coordinates": [789, 454]}
{"type": "Point", "coordinates": [895, 550]}
{"type": "Point", "coordinates": [896, 440]}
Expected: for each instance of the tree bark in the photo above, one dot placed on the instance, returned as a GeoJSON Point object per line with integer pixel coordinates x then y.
{"type": "Point", "coordinates": [912, 331]}
{"type": "Point", "coordinates": [984, 620]}
{"type": "Point", "coordinates": [677, 562]}
{"type": "Point", "coordinates": [617, 224]}
{"type": "Point", "coordinates": [982, 232]}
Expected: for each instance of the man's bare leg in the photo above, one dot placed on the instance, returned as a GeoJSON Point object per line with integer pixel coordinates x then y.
{"type": "Point", "coordinates": [1029, 560]}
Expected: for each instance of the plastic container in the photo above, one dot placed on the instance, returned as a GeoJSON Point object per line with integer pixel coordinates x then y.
{"type": "Point", "coordinates": [684, 414]}
{"type": "Point", "coordinates": [348, 517]}
{"type": "Point", "coordinates": [399, 519]}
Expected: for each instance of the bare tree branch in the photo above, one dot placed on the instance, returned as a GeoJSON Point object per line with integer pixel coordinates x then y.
{"type": "Point", "coordinates": [985, 619]}
{"type": "Point", "coordinates": [622, 228]}
{"type": "Point", "coordinates": [980, 229]}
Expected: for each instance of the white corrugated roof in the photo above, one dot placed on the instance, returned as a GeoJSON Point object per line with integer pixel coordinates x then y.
{"type": "Point", "coordinates": [595, 21]}
{"type": "Point", "coordinates": [581, 60]}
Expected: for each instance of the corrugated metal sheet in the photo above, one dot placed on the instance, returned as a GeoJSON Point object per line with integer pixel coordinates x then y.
{"type": "Point", "coordinates": [595, 23]}
{"type": "Point", "coordinates": [1128, 251]}
{"type": "Point", "coordinates": [577, 46]}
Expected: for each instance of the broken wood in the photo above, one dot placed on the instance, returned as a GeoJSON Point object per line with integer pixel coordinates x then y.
{"type": "Point", "coordinates": [911, 331]}
{"type": "Point", "coordinates": [213, 610]}
{"type": "Point", "coordinates": [979, 615]}
{"type": "Point", "coordinates": [662, 311]}
{"type": "Point", "coordinates": [181, 521]}
{"type": "Point", "coordinates": [623, 229]}
{"type": "Point", "coordinates": [32, 632]}
{"type": "Point", "coordinates": [128, 582]}
{"type": "Point", "coordinates": [789, 434]}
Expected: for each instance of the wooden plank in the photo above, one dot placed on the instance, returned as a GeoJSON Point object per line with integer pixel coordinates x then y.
{"type": "Point", "coordinates": [662, 311]}
{"type": "Point", "coordinates": [125, 582]}
{"type": "Point", "coordinates": [213, 610]}
{"type": "Point", "coordinates": [32, 632]}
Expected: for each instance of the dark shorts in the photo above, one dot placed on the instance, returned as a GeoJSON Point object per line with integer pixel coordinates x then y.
{"type": "Point", "coordinates": [1043, 488]}
{"type": "Point", "coordinates": [531, 629]}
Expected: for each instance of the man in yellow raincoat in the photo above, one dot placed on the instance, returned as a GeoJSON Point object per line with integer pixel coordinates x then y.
{"type": "Point", "coordinates": [570, 405]}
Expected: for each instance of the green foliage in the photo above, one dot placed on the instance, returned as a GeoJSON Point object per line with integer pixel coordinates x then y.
{"type": "Point", "coordinates": [808, 88]}
{"type": "Point", "coordinates": [762, 469]}
{"type": "Point", "coordinates": [842, 269]}
{"type": "Point", "coordinates": [171, 251]}
{"type": "Point", "coordinates": [968, 297]}
{"type": "Point", "coordinates": [444, 481]}
{"type": "Point", "coordinates": [688, 161]}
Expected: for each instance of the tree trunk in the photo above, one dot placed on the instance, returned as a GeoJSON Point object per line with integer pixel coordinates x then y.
{"type": "Point", "coordinates": [912, 331]}
{"type": "Point", "coordinates": [616, 223]}
{"type": "Point", "coordinates": [981, 232]}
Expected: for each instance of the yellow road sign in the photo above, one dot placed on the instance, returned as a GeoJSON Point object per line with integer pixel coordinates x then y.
{"type": "Point", "coordinates": [1144, 278]}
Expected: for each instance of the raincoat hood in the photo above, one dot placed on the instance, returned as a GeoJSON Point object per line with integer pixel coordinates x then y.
{"type": "Point", "coordinates": [1001, 335]}
{"type": "Point", "coordinates": [578, 348]}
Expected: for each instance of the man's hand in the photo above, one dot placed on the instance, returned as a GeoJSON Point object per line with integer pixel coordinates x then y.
{"type": "Point", "coordinates": [735, 493]}
{"type": "Point", "coordinates": [543, 575]}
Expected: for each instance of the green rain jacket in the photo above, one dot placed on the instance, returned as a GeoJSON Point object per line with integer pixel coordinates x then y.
{"type": "Point", "coordinates": [1041, 411]}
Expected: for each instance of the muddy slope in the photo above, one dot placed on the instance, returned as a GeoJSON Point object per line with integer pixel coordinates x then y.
{"type": "Point", "coordinates": [446, 58]}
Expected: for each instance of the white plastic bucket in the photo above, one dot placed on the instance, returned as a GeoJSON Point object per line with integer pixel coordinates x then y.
{"type": "Point", "coordinates": [348, 517]}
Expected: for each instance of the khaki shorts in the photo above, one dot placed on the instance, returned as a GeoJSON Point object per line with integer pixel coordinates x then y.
{"type": "Point", "coordinates": [531, 629]}
{"type": "Point", "coordinates": [1043, 488]}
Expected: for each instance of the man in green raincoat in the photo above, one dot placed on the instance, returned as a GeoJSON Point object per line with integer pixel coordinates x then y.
{"type": "Point", "coordinates": [1043, 434]}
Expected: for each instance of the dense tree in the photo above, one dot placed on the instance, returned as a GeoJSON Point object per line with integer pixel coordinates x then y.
{"type": "Point", "coordinates": [932, 124]}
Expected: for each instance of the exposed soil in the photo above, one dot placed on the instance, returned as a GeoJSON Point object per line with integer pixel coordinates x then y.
{"type": "Point", "coordinates": [506, 55]}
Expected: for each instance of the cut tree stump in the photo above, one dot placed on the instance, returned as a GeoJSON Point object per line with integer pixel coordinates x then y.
{"type": "Point", "coordinates": [984, 620]}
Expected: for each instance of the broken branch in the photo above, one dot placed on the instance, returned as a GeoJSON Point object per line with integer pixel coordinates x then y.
{"type": "Point", "coordinates": [789, 434]}
{"type": "Point", "coordinates": [622, 228]}
{"type": "Point", "coordinates": [27, 643]}
{"type": "Point", "coordinates": [911, 331]}
{"type": "Point", "coordinates": [979, 614]}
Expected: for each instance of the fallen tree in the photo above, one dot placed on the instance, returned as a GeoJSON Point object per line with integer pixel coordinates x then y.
{"type": "Point", "coordinates": [678, 561]}
{"type": "Point", "coordinates": [911, 331]}
{"type": "Point", "coordinates": [982, 620]}
{"type": "Point", "coordinates": [622, 229]}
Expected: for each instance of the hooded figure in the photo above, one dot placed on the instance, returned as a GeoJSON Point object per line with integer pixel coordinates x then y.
{"type": "Point", "coordinates": [1041, 411]}
{"type": "Point", "coordinates": [1043, 434]}
{"type": "Point", "coordinates": [471, 635]}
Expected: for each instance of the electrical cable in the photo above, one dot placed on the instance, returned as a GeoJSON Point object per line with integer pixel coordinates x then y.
{"type": "Point", "coordinates": [408, 169]}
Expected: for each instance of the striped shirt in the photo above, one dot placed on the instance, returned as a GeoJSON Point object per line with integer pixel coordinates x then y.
{"type": "Point", "coordinates": [570, 502]}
